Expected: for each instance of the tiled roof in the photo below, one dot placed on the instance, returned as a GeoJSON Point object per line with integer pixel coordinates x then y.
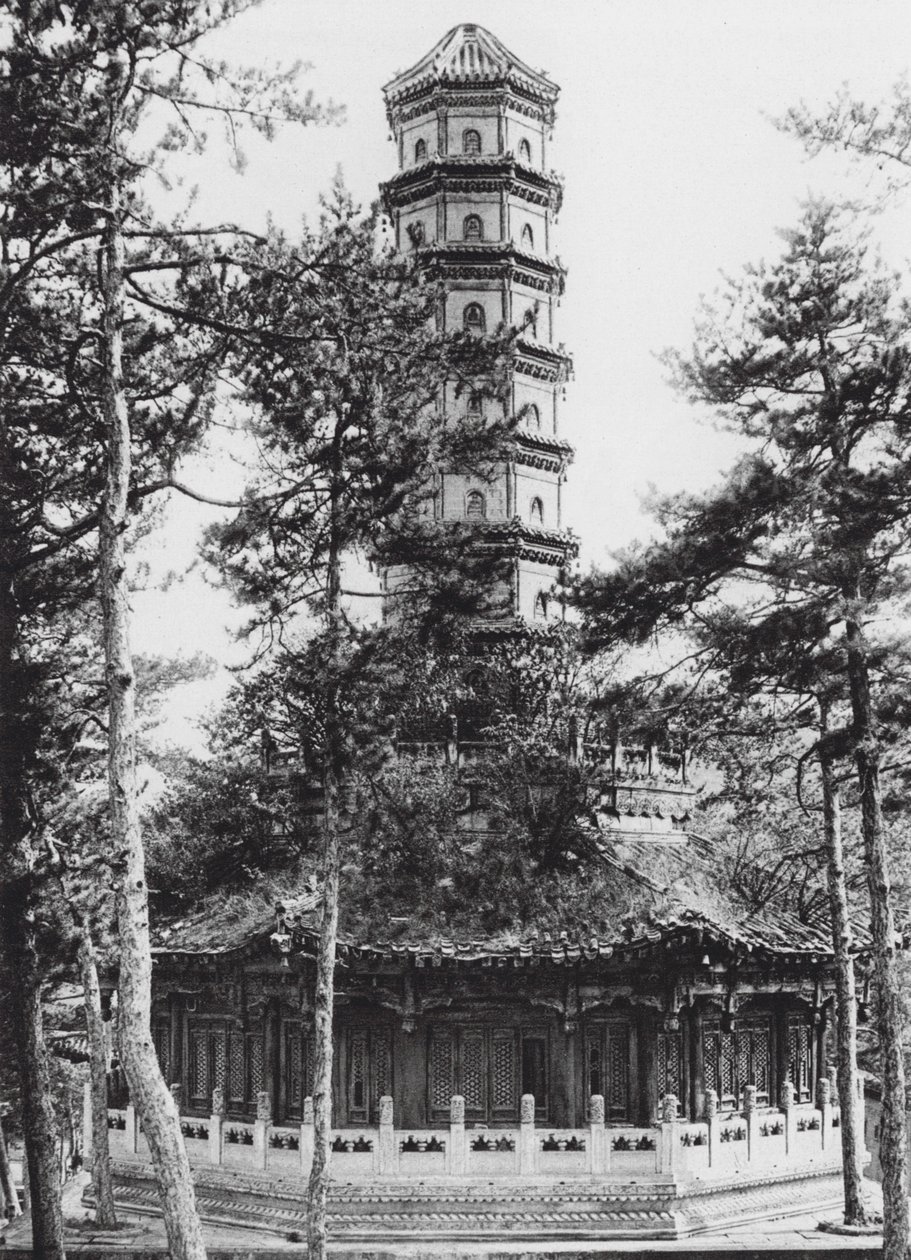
{"type": "Point", "coordinates": [231, 925]}
{"type": "Point", "coordinates": [469, 54]}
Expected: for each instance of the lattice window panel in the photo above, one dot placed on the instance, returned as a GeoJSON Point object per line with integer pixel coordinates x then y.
{"type": "Point", "coordinates": [163, 1050]}
{"type": "Point", "coordinates": [472, 1081]}
{"type": "Point", "coordinates": [617, 1098]}
{"type": "Point", "coordinates": [442, 1084]}
{"type": "Point", "coordinates": [294, 1073]}
{"type": "Point", "coordinates": [357, 1076]}
{"type": "Point", "coordinates": [237, 1077]}
{"type": "Point", "coordinates": [710, 1060]}
{"type": "Point", "coordinates": [219, 1057]}
{"type": "Point", "coordinates": [593, 1063]}
{"type": "Point", "coordinates": [669, 1066]}
{"type": "Point", "coordinates": [199, 1063]}
{"type": "Point", "coordinates": [800, 1064]}
{"type": "Point", "coordinates": [504, 1074]}
{"type": "Point", "coordinates": [255, 1065]}
{"type": "Point", "coordinates": [754, 1056]}
{"type": "Point", "coordinates": [727, 1056]}
{"type": "Point", "coordinates": [382, 1064]}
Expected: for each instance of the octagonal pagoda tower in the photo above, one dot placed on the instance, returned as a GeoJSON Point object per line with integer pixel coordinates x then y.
{"type": "Point", "coordinates": [472, 126]}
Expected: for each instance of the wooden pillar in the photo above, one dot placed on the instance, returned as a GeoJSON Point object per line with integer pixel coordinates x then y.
{"type": "Point", "coordinates": [562, 1111]}
{"type": "Point", "coordinates": [176, 1020]}
{"type": "Point", "coordinates": [271, 1055]}
{"type": "Point", "coordinates": [647, 1110]}
{"type": "Point", "coordinates": [696, 1091]}
{"type": "Point", "coordinates": [409, 1051]}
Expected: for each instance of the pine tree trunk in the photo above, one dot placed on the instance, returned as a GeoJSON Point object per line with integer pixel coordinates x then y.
{"type": "Point", "coordinates": [893, 1142]}
{"type": "Point", "coordinates": [324, 999]}
{"type": "Point", "coordinates": [20, 953]}
{"type": "Point", "coordinates": [846, 1004]}
{"type": "Point", "coordinates": [150, 1095]}
{"type": "Point", "coordinates": [7, 1185]}
{"type": "Point", "coordinates": [102, 1183]}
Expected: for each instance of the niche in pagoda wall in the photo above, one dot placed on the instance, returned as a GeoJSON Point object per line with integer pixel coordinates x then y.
{"type": "Point", "coordinates": [535, 599]}
{"type": "Point", "coordinates": [482, 119]}
{"type": "Point", "coordinates": [530, 393]}
{"type": "Point", "coordinates": [462, 208]}
{"type": "Point", "coordinates": [537, 497]}
{"type": "Point", "coordinates": [458, 300]}
{"type": "Point", "coordinates": [467, 497]}
{"type": "Point", "coordinates": [521, 214]}
{"type": "Point", "coordinates": [420, 130]}
{"type": "Point", "coordinates": [532, 314]}
{"type": "Point", "coordinates": [417, 225]}
{"type": "Point", "coordinates": [519, 127]}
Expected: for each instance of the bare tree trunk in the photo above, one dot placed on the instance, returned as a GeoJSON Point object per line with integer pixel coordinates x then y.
{"type": "Point", "coordinates": [893, 1142]}
{"type": "Point", "coordinates": [102, 1183]}
{"type": "Point", "coordinates": [151, 1096]}
{"type": "Point", "coordinates": [324, 998]}
{"type": "Point", "coordinates": [7, 1185]}
{"type": "Point", "coordinates": [846, 1004]}
{"type": "Point", "coordinates": [20, 949]}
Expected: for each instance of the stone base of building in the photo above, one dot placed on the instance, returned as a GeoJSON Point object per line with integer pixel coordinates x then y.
{"type": "Point", "coordinates": [527, 1209]}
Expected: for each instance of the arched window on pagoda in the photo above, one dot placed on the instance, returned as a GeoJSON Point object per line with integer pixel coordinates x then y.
{"type": "Point", "coordinates": [473, 320]}
{"type": "Point", "coordinates": [420, 151]}
{"type": "Point", "coordinates": [475, 507]}
{"type": "Point", "coordinates": [532, 418]}
{"type": "Point", "coordinates": [540, 613]}
{"type": "Point", "coordinates": [528, 237]}
{"type": "Point", "coordinates": [530, 322]}
{"type": "Point", "coordinates": [475, 403]}
{"type": "Point", "coordinates": [536, 511]}
{"type": "Point", "coordinates": [472, 228]}
{"type": "Point", "coordinates": [471, 141]}
{"type": "Point", "coordinates": [525, 152]}
{"type": "Point", "coordinates": [416, 234]}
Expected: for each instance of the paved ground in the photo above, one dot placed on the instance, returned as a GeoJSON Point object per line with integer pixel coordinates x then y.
{"type": "Point", "coordinates": [792, 1234]}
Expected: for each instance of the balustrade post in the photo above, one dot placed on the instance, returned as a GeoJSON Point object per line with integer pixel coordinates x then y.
{"type": "Point", "coordinates": [824, 1104]}
{"type": "Point", "coordinates": [216, 1126]}
{"type": "Point", "coordinates": [749, 1114]}
{"type": "Point", "coordinates": [261, 1128]}
{"type": "Point", "coordinates": [458, 1148]}
{"type": "Point", "coordinates": [387, 1155]}
{"type": "Point", "coordinates": [305, 1147]}
{"type": "Point", "coordinates": [598, 1145]}
{"type": "Point", "coordinates": [786, 1103]}
{"type": "Point", "coordinates": [528, 1154]}
{"type": "Point", "coordinates": [131, 1131]}
{"type": "Point", "coordinates": [668, 1136]}
{"type": "Point", "coordinates": [711, 1119]}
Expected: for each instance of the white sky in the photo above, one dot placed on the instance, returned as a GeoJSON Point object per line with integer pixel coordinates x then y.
{"type": "Point", "coordinates": [673, 175]}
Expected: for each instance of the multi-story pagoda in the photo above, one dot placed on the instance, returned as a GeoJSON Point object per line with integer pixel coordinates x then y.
{"type": "Point", "coordinates": [614, 1083]}
{"type": "Point", "coordinates": [474, 194]}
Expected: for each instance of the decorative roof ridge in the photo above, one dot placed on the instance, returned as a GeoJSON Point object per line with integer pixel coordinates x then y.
{"type": "Point", "coordinates": [469, 54]}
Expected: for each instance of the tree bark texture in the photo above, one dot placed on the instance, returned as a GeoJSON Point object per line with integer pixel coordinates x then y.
{"type": "Point", "coordinates": [20, 948]}
{"type": "Point", "coordinates": [152, 1098]}
{"type": "Point", "coordinates": [324, 999]}
{"type": "Point", "coordinates": [7, 1185]}
{"type": "Point", "coordinates": [102, 1182]}
{"type": "Point", "coordinates": [846, 1004]}
{"type": "Point", "coordinates": [893, 1142]}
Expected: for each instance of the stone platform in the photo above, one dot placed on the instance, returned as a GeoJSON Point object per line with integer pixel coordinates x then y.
{"type": "Point", "coordinates": [527, 1209]}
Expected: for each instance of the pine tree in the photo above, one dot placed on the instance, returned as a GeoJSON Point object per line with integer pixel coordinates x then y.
{"type": "Point", "coordinates": [809, 360]}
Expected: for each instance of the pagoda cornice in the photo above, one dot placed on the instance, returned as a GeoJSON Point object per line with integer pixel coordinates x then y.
{"type": "Point", "coordinates": [529, 542]}
{"type": "Point", "coordinates": [534, 450]}
{"type": "Point", "coordinates": [473, 174]}
{"type": "Point", "coordinates": [493, 260]}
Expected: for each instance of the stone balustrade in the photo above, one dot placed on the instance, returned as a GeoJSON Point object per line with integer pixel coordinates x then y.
{"type": "Point", "coordinates": [792, 1135]}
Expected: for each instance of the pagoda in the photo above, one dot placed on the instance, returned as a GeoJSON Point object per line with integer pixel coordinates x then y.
{"type": "Point", "coordinates": [473, 193]}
